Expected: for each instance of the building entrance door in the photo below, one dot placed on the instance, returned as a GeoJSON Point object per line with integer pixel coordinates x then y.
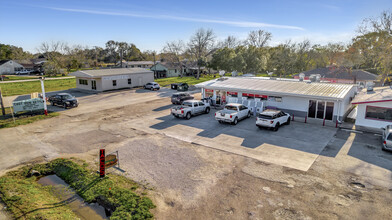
{"type": "Point", "coordinates": [93, 84]}
{"type": "Point", "coordinates": [320, 109]}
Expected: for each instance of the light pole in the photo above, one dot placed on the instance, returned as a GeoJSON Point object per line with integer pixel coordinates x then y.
{"type": "Point", "coordinates": [42, 78]}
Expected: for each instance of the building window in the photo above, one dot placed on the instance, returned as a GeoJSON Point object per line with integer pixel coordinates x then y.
{"type": "Point", "coordinates": [129, 81]}
{"type": "Point", "coordinates": [378, 113]}
{"type": "Point", "coordinates": [132, 66]}
{"type": "Point", "coordinates": [139, 66]}
{"type": "Point", "coordinates": [83, 82]}
{"type": "Point", "coordinates": [175, 70]}
{"type": "Point", "coordinates": [114, 82]}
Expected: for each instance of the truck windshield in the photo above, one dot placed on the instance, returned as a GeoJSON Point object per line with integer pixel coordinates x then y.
{"type": "Point", "coordinates": [229, 107]}
{"type": "Point", "coordinates": [187, 104]}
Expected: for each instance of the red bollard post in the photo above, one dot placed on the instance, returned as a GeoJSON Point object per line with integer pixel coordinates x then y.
{"type": "Point", "coordinates": [293, 117]}
{"type": "Point", "coordinates": [306, 117]}
{"type": "Point", "coordinates": [324, 122]}
{"type": "Point", "coordinates": [336, 123]}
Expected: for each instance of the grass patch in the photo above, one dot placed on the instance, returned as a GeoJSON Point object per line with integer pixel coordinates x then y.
{"type": "Point", "coordinates": [186, 79]}
{"type": "Point", "coordinates": [116, 193]}
{"type": "Point", "coordinates": [27, 199]}
{"type": "Point", "coordinates": [21, 88]}
{"type": "Point", "coordinates": [7, 121]}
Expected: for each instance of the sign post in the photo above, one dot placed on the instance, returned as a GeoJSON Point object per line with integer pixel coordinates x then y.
{"type": "Point", "coordinates": [102, 163]}
{"type": "Point", "coordinates": [43, 94]}
{"type": "Point", "coordinates": [2, 103]}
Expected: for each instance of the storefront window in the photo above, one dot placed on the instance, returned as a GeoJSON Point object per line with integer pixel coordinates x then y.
{"type": "Point", "coordinates": [232, 94]}
{"type": "Point", "coordinates": [378, 113]}
{"type": "Point", "coordinates": [209, 93]}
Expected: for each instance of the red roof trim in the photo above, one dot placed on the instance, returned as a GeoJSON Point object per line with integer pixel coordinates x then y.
{"type": "Point", "coordinates": [354, 103]}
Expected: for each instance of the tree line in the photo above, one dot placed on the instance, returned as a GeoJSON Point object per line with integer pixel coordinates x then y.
{"type": "Point", "coordinates": [370, 49]}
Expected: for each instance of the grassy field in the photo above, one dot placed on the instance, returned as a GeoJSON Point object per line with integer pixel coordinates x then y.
{"type": "Point", "coordinates": [26, 199]}
{"type": "Point", "coordinates": [8, 122]}
{"type": "Point", "coordinates": [21, 88]}
{"type": "Point", "coordinates": [189, 79]}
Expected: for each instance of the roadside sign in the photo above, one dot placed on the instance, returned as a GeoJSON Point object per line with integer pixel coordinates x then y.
{"type": "Point", "coordinates": [102, 162]}
{"type": "Point", "coordinates": [110, 160]}
{"type": "Point", "coordinates": [28, 105]}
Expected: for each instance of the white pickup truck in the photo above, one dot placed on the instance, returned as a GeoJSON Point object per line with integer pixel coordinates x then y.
{"type": "Point", "coordinates": [232, 113]}
{"type": "Point", "coordinates": [271, 118]}
{"type": "Point", "coordinates": [190, 108]}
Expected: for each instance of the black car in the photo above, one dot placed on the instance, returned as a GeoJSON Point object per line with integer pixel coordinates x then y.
{"type": "Point", "coordinates": [63, 99]}
{"type": "Point", "coordinates": [178, 98]}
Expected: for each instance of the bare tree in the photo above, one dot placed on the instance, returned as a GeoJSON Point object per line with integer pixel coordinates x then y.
{"type": "Point", "coordinates": [230, 42]}
{"type": "Point", "coordinates": [383, 23]}
{"type": "Point", "coordinates": [200, 46]}
{"type": "Point", "coordinates": [53, 52]}
{"type": "Point", "coordinates": [173, 52]}
{"type": "Point", "coordinates": [258, 38]}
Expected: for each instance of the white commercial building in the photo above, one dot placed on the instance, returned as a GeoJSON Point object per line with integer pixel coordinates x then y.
{"type": "Point", "coordinates": [301, 99]}
{"type": "Point", "coordinates": [110, 79]}
{"type": "Point", "coordinates": [374, 108]}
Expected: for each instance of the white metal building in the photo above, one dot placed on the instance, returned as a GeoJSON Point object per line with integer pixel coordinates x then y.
{"type": "Point", "coordinates": [110, 79]}
{"type": "Point", "coordinates": [374, 108]}
{"type": "Point", "coordinates": [301, 99]}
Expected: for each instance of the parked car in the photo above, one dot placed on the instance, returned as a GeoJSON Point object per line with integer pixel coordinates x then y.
{"type": "Point", "coordinates": [232, 113]}
{"type": "Point", "coordinates": [152, 86]}
{"type": "Point", "coordinates": [178, 98]}
{"type": "Point", "coordinates": [182, 87]}
{"type": "Point", "coordinates": [387, 138]}
{"type": "Point", "coordinates": [63, 99]}
{"type": "Point", "coordinates": [190, 108]}
{"type": "Point", "coordinates": [272, 118]}
{"type": "Point", "coordinates": [23, 72]}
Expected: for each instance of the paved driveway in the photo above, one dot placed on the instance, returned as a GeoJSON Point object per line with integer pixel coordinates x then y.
{"type": "Point", "coordinates": [296, 145]}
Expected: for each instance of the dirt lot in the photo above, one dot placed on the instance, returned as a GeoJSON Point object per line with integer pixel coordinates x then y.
{"type": "Point", "coordinates": [350, 179]}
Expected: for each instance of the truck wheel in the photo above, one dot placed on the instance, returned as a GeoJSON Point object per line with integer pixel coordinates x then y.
{"type": "Point", "coordinates": [276, 128]}
{"type": "Point", "coordinates": [235, 121]}
{"type": "Point", "coordinates": [188, 116]}
{"type": "Point", "coordinates": [288, 121]}
{"type": "Point", "coordinates": [207, 110]}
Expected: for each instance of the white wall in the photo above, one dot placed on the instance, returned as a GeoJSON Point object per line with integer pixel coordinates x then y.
{"type": "Point", "coordinates": [9, 67]}
{"type": "Point", "coordinates": [122, 81]}
{"type": "Point", "coordinates": [88, 86]}
{"type": "Point", "coordinates": [361, 112]}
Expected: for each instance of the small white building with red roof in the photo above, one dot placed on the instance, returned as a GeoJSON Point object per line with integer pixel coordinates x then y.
{"type": "Point", "coordinates": [374, 107]}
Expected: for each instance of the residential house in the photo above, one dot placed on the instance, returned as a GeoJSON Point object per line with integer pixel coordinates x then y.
{"type": "Point", "coordinates": [136, 64]}
{"type": "Point", "coordinates": [9, 67]}
{"type": "Point", "coordinates": [336, 74]}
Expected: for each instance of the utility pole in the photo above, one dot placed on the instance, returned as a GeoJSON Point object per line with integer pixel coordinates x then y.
{"type": "Point", "coordinates": [155, 67]}
{"type": "Point", "coordinates": [2, 103]}
{"type": "Point", "coordinates": [121, 54]}
{"type": "Point", "coordinates": [43, 94]}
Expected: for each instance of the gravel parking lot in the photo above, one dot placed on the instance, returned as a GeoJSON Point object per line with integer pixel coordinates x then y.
{"type": "Point", "coordinates": [200, 169]}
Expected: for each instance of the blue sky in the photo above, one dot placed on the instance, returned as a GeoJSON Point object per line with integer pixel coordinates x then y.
{"type": "Point", "coordinates": [149, 24]}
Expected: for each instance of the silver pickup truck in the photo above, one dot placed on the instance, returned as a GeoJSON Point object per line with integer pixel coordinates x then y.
{"type": "Point", "coordinates": [232, 113]}
{"type": "Point", "coordinates": [190, 108]}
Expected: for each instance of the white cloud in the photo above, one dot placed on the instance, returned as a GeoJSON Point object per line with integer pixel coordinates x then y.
{"type": "Point", "coordinates": [317, 38]}
{"type": "Point", "coordinates": [246, 24]}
